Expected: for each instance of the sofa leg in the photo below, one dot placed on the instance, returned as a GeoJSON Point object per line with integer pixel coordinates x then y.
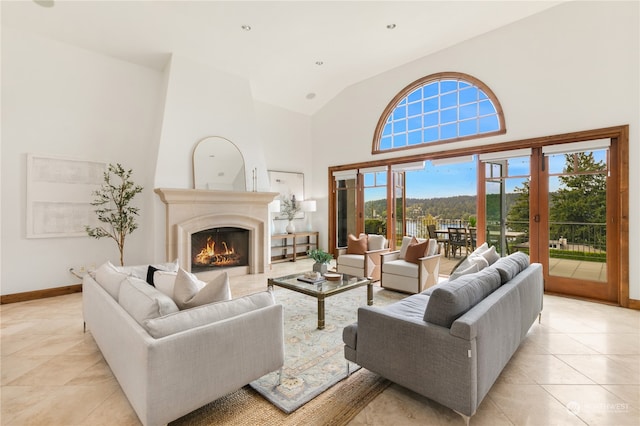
{"type": "Point", "coordinates": [540, 318]}
{"type": "Point", "coordinates": [280, 376]}
{"type": "Point", "coordinates": [467, 419]}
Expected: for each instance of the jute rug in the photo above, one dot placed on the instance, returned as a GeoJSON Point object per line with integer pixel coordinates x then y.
{"type": "Point", "coordinates": [335, 407]}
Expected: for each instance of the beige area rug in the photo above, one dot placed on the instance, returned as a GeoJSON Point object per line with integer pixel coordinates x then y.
{"type": "Point", "coordinates": [336, 406]}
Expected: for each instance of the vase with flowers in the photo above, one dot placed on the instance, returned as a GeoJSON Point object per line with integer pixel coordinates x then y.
{"type": "Point", "coordinates": [290, 207]}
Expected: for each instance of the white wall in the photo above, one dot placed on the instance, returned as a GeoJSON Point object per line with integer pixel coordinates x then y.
{"type": "Point", "coordinates": [287, 140]}
{"type": "Point", "coordinates": [200, 102]}
{"type": "Point", "coordinates": [574, 67]}
{"type": "Point", "coordinates": [65, 101]}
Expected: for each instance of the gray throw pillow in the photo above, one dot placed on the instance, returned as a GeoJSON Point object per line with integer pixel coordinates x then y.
{"type": "Point", "coordinates": [510, 266]}
{"type": "Point", "coordinates": [450, 301]}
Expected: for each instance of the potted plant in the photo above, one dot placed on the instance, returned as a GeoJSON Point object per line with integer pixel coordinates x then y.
{"type": "Point", "coordinates": [290, 207]}
{"type": "Point", "coordinates": [112, 200]}
{"type": "Point", "coordinates": [322, 259]}
{"type": "Point", "coordinates": [472, 221]}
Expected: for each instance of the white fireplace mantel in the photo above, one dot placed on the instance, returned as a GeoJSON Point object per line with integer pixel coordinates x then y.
{"type": "Point", "coordinates": [192, 210]}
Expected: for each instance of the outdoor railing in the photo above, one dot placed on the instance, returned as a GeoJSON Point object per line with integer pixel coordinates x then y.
{"type": "Point", "coordinates": [567, 240]}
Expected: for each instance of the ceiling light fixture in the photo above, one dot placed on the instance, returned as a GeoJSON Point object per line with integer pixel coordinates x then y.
{"type": "Point", "coordinates": [310, 96]}
{"type": "Point", "coordinates": [318, 63]}
{"type": "Point", "coordinates": [391, 26]}
{"type": "Point", "coordinates": [44, 3]}
{"type": "Point", "coordinates": [246, 27]}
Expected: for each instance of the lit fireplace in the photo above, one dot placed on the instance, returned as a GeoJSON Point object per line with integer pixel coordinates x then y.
{"type": "Point", "coordinates": [219, 248]}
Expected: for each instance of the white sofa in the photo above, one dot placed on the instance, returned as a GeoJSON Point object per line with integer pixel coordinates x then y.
{"type": "Point", "coordinates": [170, 362]}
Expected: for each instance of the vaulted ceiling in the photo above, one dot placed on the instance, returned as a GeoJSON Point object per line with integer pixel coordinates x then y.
{"type": "Point", "coordinates": [296, 54]}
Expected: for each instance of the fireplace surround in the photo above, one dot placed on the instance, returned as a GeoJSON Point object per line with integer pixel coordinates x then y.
{"type": "Point", "coordinates": [189, 211]}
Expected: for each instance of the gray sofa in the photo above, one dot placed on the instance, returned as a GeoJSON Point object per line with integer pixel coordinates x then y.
{"type": "Point", "coordinates": [170, 362]}
{"type": "Point", "coordinates": [450, 342]}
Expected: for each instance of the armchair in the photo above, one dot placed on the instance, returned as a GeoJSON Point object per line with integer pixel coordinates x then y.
{"type": "Point", "coordinates": [362, 256]}
{"type": "Point", "coordinates": [399, 272]}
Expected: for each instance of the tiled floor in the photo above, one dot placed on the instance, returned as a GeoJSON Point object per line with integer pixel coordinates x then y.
{"type": "Point", "coordinates": [581, 365]}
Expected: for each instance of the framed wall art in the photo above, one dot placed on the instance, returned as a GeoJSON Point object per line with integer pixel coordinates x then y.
{"type": "Point", "coordinates": [59, 195]}
{"type": "Point", "coordinates": [288, 185]}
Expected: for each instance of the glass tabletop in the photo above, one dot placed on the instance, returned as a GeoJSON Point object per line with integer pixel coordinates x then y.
{"type": "Point", "coordinates": [324, 287]}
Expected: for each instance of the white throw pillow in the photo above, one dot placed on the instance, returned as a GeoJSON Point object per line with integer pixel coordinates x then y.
{"type": "Point", "coordinates": [433, 248]}
{"type": "Point", "coordinates": [164, 281]}
{"type": "Point", "coordinates": [491, 255]}
{"type": "Point", "coordinates": [478, 260]}
{"type": "Point", "coordinates": [470, 270]}
{"type": "Point", "coordinates": [187, 292]}
{"type": "Point", "coordinates": [144, 302]}
{"type": "Point", "coordinates": [376, 242]}
{"type": "Point", "coordinates": [110, 278]}
{"type": "Point", "coordinates": [481, 248]}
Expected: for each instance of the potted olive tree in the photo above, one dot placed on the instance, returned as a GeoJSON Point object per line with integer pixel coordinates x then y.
{"type": "Point", "coordinates": [322, 259]}
{"type": "Point", "coordinates": [113, 209]}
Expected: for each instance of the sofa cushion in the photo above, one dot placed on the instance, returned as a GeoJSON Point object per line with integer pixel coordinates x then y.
{"type": "Point", "coordinates": [356, 245]}
{"type": "Point", "coordinates": [187, 292]}
{"type": "Point", "coordinates": [416, 250]}
{"type": "Point", "coordinates": [376, 242]}
{"type": "Point", "coordinates": [202, 315]}
{"type": "Point", "coordinates": [110, 278]}
{"type": "Point", "coordinates": [450, 301]}
{"type": "Point", "coordinates": [510, 266]}
{"type": "Point", "coordinates": [144, 302]}
{"type": "Point", "coordinates": [140, 271]}
{"type": "Point", "coordinates": [352, 260]}
{"type": "Point", "coordinates": [400, 267]}
{"type": "Point", "coordinates": [411, 307]}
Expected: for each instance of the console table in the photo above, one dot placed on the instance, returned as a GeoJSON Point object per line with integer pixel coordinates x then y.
{"type": "Point", "coordinates": [288, 247]}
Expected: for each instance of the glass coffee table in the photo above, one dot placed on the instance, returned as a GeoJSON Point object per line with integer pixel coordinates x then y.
{"type": "Point", "coordinates": [322, 289]}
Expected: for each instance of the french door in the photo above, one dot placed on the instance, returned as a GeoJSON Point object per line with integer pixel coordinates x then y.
{"type": "Point", "coordinates": [558, 203]}
{"type": "Point", "coordinates": [577, 227]}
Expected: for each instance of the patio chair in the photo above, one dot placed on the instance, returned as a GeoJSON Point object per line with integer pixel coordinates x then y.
{"type": "Point", "coordinates": [458, 239]}
{"type": "Point", "coordinates": [433, 234]}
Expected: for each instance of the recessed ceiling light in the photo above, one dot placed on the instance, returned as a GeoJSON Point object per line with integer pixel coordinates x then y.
{"type": "Point", "coordinates": [246, 27]}
{"type": "Point", "coordinates": [310, 95]}
{"type": "Point", "coordinates": [318, 63]}
{"type": "Point", "coordinates": [391, 26]}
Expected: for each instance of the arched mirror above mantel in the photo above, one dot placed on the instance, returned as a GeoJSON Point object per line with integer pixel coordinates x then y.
{"type": "Point", "coordinates": [218, 164]}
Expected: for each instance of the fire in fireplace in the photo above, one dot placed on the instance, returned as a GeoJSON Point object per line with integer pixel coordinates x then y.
{"type": "Point", "coordinates": [219, 248]}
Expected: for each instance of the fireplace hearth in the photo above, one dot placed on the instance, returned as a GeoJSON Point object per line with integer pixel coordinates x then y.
{"type": "Point", "coordinates": [218, 248]}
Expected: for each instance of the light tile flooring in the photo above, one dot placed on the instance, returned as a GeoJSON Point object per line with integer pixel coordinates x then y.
{"type": "Point", "coordinates": [580, 366]}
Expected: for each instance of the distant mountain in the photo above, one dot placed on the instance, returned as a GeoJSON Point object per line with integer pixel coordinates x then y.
{"type": "Point", "coordinates": [457, 207]}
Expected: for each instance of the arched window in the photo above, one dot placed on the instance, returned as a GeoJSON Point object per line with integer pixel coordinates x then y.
{"type": "Point", "coordinates": [437, 109]}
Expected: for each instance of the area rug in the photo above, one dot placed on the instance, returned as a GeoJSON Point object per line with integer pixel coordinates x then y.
{"type": "Point", "coordinates": [314, 359]}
